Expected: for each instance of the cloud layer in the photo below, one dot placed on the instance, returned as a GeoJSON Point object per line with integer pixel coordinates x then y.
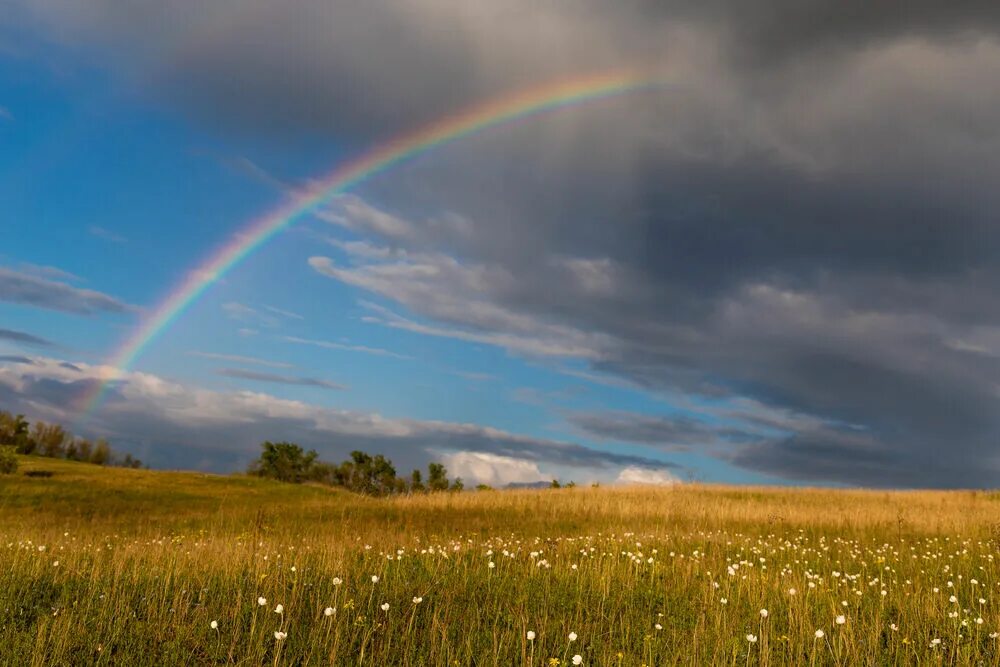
{"type": "Point", "coordinates": [32, 290]}
{"type": "Point", "coordinates": [173, 425]}
{"type": "Point", "coordinates": [802, 222]}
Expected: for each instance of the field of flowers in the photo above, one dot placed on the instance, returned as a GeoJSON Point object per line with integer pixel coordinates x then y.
{"type": "Point", "coordinates": [129, 567]}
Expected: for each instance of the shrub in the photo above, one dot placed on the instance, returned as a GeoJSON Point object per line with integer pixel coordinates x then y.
{"type": "Point", "coordinates": [8, 461]}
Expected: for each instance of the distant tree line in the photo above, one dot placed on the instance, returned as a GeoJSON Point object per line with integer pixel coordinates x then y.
{"type": "Point", "coordinates": [54, 441]}
{"type": "Point", "coordinates": [361, 473]}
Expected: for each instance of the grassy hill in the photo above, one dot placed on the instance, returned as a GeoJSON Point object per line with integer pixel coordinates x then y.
{"type": "Point", "coordinates": [119, 566]}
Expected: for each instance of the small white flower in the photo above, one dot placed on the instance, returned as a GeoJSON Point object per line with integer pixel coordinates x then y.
{"type": "Point", "coordinates": [417, 600]}
{"type": "Point", "coordinates": [337, 581]}
{"type": "Point", "coordinates": [893, 627]}
{"type": "Point", "coordinates": [385, 606]}
{"type": "Point", "coordinates": [763, 613]}
{"type": "Point", "coordinates": [329, 611]}
{"type": "Point", "coordinates": [658, 626]}
{"type": "Point", "coordinates": [279, 635]}
{"type": "Point", "coordinates": [723, 601]}
{"type": "Point", "coordinates": [374, 578]}
{"type": "Point", "coordinates": [819, 634]}
{"type": "Point", "coordinates": [752, 639]}
{"type": "Point", "coordinates": [531, 635]}
{"type": "Point", "coordinates": [792, 591]}
{"type": "Point", "coordinates": [935, 642]}
{"type": "Point", "coordinates": [841, 620]}
{"type": "Point", "coordinates": [572, 636]}
{"type": "Point", "coordinates": [979, 621]}
{"type": "Point", "coordinates": [214, 625]}
{"type": "Point", "coordinates": [492, 565]}
{"type": "Point", "coordinates": [262, 601]}
{"type": "Point", "coordinates": [577, 659]}
{"type": "Point", "coordinates": [280, 609]}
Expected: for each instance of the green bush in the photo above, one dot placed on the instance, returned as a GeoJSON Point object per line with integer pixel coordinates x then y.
{"type": "Point", "coordinates": [8, 461]}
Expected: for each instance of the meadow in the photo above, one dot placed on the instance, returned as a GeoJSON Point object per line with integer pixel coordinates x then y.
{"type": "Point", "coordinates": [133, 567]}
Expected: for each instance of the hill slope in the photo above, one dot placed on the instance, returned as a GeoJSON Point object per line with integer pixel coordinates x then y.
{"type": "Point", "coordinates": [114, 566]}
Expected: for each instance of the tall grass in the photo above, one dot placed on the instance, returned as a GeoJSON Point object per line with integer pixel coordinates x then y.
{"type": "Point", "coordinates": [132, 567]}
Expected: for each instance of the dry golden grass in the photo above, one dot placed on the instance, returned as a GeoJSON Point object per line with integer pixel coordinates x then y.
{"type": "Point", "coordinates": [132, 567]}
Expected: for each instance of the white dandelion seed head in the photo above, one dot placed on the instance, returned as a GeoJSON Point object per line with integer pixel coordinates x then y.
{"type": "Point", "coordinates": [329, 611]}
{"type": "Point", "coordinates": [819, 634]}
{"type": "Point", "coordinates": [262, 601]}
{"type": "Point", "coordinates": [572, 636]}
{"type": "Point", "coordinates": [531, 635]}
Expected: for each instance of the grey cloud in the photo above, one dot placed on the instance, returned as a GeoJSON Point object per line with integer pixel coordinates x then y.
{"type": "Point", "coordinates": [669, 433]}
{"type": "Point", "coordinates": [23, 288]}
{"type": "Point", "coordinates": [24, 338]}
{"type": "Point", "coordinates": [279, 379]}
{"type": "Point", "coordinates": [15, 359]}
{"type": "Point", "coordinates": [172, 425]}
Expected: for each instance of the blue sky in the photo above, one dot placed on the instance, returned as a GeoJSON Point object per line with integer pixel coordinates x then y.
{"type": "Point", "coordinates": [671, 286]}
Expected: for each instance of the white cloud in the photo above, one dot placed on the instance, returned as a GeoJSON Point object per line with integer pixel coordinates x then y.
{"type": "Point", "coordinates": [637, 475]}
{"type": "Point", "coordinates": [347, 347]}
{"type": "Point", "coordinates": [240, 359]}
{"type": "Point", "coordinates": [492, 469]}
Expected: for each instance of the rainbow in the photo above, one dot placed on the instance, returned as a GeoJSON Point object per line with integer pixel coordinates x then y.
{"type": "Point", "coordinates": [504, 109]}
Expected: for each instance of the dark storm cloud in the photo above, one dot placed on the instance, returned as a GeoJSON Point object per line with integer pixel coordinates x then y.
{"type": "Point", "coordinates": [23, 288]}
{"type": "Point", "coordinates": [803, 222]}
{"type": "Point", "coordinates": [669, 433]}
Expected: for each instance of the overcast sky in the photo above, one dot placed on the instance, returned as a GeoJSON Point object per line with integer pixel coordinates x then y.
{"type": "Point", "coordinates": [780, 267]}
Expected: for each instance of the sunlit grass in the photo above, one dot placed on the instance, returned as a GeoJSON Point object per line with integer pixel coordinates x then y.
{"type": "Point", "coordinates": [134, 567]}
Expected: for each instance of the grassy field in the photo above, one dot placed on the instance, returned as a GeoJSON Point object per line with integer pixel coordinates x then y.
{"type": "Point", "coordinates": [131, 567]}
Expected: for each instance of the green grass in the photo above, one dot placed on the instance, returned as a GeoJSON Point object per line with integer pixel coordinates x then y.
{"type": "Point", "coordinates": [130, 567]}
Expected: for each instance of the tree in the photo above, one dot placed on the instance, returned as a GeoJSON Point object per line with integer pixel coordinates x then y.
{"type": "Point", "coordinates": [102, 453]}
{"type": "Point", "coordinates": [131, 462]}
{"type": "Point", "coordinates": [84, 448]}
{"type": "Point", "coordinates": [416, 482]}
{"type": "Point", "coordinates": [457, 485]}
{"type": "Point", "coordinates": [8, 460]}
{"type": "Point", "coordinates": [49, 439]}
{"type": "Point", "coordinates": [483, 487]}
{"type": "Point", "coordinates": [555, 484]}
{"type": "Point", "coordinates": [284, 461]}
{"type": "Point", "coordinates": [14, 433]}
{"type": "Point", "coordinates": [437, 477]}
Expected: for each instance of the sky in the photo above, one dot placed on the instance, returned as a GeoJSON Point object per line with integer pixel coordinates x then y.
{"type": "Point", "coordinates": [777, 266]}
